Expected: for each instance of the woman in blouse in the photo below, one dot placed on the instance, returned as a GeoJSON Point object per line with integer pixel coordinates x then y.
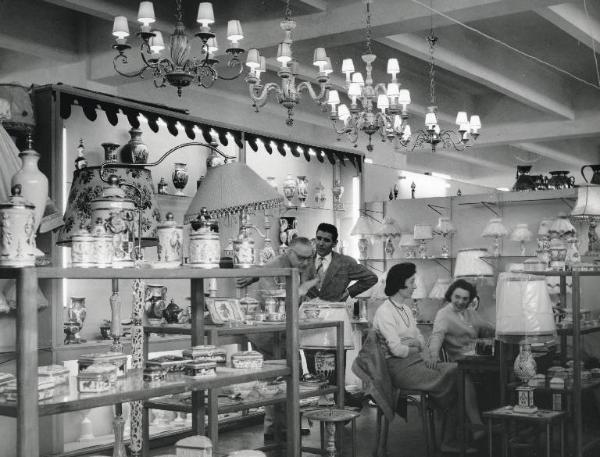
{"type": "Point", "coordinates": [407, 356]}
{"type": "Point", "coordinates": [456, 327]}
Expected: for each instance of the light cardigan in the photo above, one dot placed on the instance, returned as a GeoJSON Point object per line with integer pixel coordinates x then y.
{"type": "Point", "coordinates": [454, 332]}
{"type": "Point", "coordinates": [388, 321]}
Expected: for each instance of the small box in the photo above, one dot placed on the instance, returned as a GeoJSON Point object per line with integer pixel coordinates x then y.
{"type": "Point", "coordinates": [194, 446]}
{"type": "Point", "coordinates": [94, 382]}
{"type": "Point", "coordinates": [200, 369]}
{"type": "Point", "coordinates": [206, 353]}
{"type": "Point", "coordinates": [107, 369]}
{"type": "Point", "coordinates": [153, 374]}
{"type": "Point", "coordinates": [169, 363]}
{"type": "Point", "coordinates": [45, 390]}
{"type": "Point", "coordinates": [247, 360]}
{"type": "Point", "coordinates": [56, 373]}
{"type": "Point", "coordinates": [118, 359]}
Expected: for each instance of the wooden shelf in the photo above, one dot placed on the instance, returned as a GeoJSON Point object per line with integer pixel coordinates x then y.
{"type": "Point", "coordinates": [133, 388]}
{"type": "Point", "coordinates": [582, 331]}
{"type": "Point", "coordinates": [403, 259]}
{"type": "Point", "coordinates": [243, 329]}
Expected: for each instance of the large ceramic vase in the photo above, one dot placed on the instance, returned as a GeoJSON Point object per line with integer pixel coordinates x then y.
{"type": "Point", "coordinates": [34, 184]}
{"type": "Point", "coordinates": [525, 366]}
{"type": "Point", "coordinates": [136, 150]}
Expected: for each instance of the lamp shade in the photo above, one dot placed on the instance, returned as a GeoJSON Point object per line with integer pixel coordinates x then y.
{"type": "Point", "coordinates": [494, 229]}
{"type": "Point", "coordinates": [389, 228]}
{"type": "Point", "coordinates": [439, 289]}
{"type": "Point", "coordinates": [587, 205]}
{"type": "Point", "coordinates": [521, 233]}
{"type": "Point", "coordinates": [87, 186]}
{"type": "Point", "coordinates": [469, 264]}
{"type": "Point", "coordinates": [561, 226]}
{"type": "Point", "coordinates": [523, 309]}
{"type": "Point", "coordinates": [544, 228]}
{"type": "Point", "coordinates": [423, 232]}
{"type": "Point", "coordinates": [420, 292]}
{"type": "Point", "coordinates": [444, 227]}
{"type": "Point", "coordinates": [407, 240]}
{"type": "Point", "coordinates": [363, 226]}
{"type": "Point", "coordinates": [230, 189]}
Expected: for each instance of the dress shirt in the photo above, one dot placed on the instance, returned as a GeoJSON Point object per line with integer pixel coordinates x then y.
{"type": "Point", "coordinates": [325, 262]}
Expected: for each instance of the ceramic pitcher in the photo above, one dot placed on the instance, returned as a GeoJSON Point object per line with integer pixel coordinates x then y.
{"type": "Point", "coordinates": [595, 177]}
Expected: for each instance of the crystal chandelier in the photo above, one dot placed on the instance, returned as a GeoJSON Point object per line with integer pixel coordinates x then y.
{"type": "Point", "coordinates": [468, 129]}
{"type": "Point", "coordinates": [382, 109]}
{"type": "Point", "coordinates": [178, 69]}
{"type": "Point", "coordinates": [287, 93]}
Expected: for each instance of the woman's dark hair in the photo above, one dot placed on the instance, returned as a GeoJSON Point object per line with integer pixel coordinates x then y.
{"type": "Point", "coordinates": [397, 276]}
{"type": "Point", "coordinates": [461, 284]}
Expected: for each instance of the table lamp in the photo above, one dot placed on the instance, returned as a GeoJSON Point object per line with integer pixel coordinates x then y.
{"type": "Point", "coordinates": [389, 231]}
{"type": "Point", "coordinates": [470, 265]}
{"type": "Point", "coordinates": [524, 316]}
{"type": "Point", "coordinates": [561, 227]}
{"type": "Point", "coordinates": [587, 209]}
{"type": "Point", "coordinates": [446, 228]}
{"type": "Point", "coordinates": [363, 228]}
{"type": "Point", "coordinates": [495, 229]}
{"type": "Point", "coordinates": [438, 292]}
{"type": "Point", "coordinates": [423, 233]}
{"type": "Point", "coordinates": [408, 244]}
{"type": "Point", "coordinates": [521, 233]}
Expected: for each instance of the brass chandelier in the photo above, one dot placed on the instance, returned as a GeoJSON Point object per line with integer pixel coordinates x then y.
{"type": "Point", "coordinates": [178, 69]}
{"type": "Point", "coordinates": [287, 92]}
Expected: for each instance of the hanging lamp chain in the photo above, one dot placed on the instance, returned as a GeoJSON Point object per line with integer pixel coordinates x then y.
{"type": "Point", "coordinates": [178, 11]}
{"type": "Point", "coordinates": [287, 13]}
{"type": "Point", "coordinates": [432, 40]}
{"type": "Point", "coordinates": [368, 33]}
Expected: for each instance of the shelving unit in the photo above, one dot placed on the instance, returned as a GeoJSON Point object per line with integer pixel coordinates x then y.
{"type": "Point", "coordinates": [27, 409]}
{"type": "Point", "coordinates": [444, 262]}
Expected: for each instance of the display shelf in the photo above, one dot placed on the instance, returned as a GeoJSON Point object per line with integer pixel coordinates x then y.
{"type": "Point", "coordinates": [241, 329]}
{"type": "Point", "coordinates": [133, 388]}
{"type": "Point", "coordinates": [583, 331]}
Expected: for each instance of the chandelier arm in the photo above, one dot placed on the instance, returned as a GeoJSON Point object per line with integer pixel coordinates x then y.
{"type": "Point", "coordinates": [380, 88]}
{"type": "Point", "coordinates": [233, 62]}
{"type": "Point", "coordinates": [122, 59]}
{"type": "Point", "coordinates": [261, 99]}
{"type": "Point", "coordinates": [307, 87]}
{"type": "Point", "coordinates": [344, 129]}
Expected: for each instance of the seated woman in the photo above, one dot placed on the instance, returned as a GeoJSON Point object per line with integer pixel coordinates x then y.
{"type": "Point", "coordinates": [456, 327]}
{"type": "Point", "coordinates": [407, 357]}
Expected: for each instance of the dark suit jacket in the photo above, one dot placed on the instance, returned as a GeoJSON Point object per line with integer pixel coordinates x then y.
{"type": "Point", "coordinates": [341, 271]}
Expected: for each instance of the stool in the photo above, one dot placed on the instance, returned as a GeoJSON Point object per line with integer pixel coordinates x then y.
{"type": "Point", "coordinates": [329, 418]}
{"type": "Point", "coordinates": [419, 399]}
{"type": "Point", "coordinates": [540, 417]}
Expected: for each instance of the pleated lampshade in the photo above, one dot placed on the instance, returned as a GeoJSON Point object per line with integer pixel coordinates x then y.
{"type": "Point", "coordinates": [469, 264]}
{"type": "Point", "coordinates": [439, 288]}
{"type": "Point", "coordinates": [88, 186]}
{"type": "Point", "coordinates": [364, 226]}
{"type": "Point", "coordinates": [521, 233]}
{"type": "Point", "coordinates": [494, 229]}
{"type": "Point", "coordinates": [562, 227]}
{"type": "Point", "coordinates": [587, 206]}
{"type": "Point", "coordinates": [389, 228]}
{"type": "Point", "coordinates": [230, 189]}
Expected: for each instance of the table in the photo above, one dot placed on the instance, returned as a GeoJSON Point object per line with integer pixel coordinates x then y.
{"type": "Point", "coordinates": [544, 417]}
{"type": "Point", "coordinates": [329, 417]}
{"type": "Point", "coordinates": [475, 363]}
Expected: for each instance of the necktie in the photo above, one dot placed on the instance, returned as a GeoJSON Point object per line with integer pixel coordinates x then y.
{"type": "Point", "coordinates": [320, 270]}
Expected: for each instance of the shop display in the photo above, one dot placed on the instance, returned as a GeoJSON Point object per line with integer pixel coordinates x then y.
{"type": "Point", "coordinates": [560, 180]}
{"type": "Point", "coordinates": [244, 253]}
{"type": "Point", "coordinates": [562, 228]}
{"type": "Point", "coordinates": [135, 151]}
{"type": "Point", "coordinates": [45, 390]}
{"type": "Point", "coordinates": [524, 366]}
{"type": "Point", "coordinates": [171, 312]}
{"type": "Point", "coordinates": [469, 264]}
{"type": "Point", "coordinates": [496, 230]}
{"type": "Point", "coordinates": [168, 363]}
{"type": "Point", "coordinates": [302, 190]}
{"type": "Point", "coordinates": [179, 177]}
{"type": "Point", "coordinates": [446, 229]}
{"type": "Point", "coordinates": [422, 234]}
{"type": "Point", "coordinates": [290, 187]}
{"type": "Point", "coordinates": [200, 369]}
{"type": "Point", "coordinates": [288, 230]}
{"type": "Point", "coordinates": [162, 187]}
{"type": "Point", "coordinates": [521, 234]}
{"type": "Point", "coordinates": [337, 192]}
{"type": "Point", "coordinates": [110, 152]}
{"type": "Point", "coordinates": [326, 338]}
{"type": "Point", "coordinates": [558, 254]}
{"type": "Point", "coordinates": [205, 353]}
{"type": "Point", "coordinates": [224, 310]}
{"type": "Point", "coordinates": [205, 248]}
{"type": "Point", "coordinates": [247, 360]}
{"type": "Point", "coordinates": [155, 302]}
{"type": "Point", "coordinates": [524, 180]}
{"type": "Point", "coordinates": [408, 245]}
{"type": "Point", "coordinates": [103, 245]}
{"type": "Point", "coordinates": [76, 313]}
{"type": "Point", "coordinates": [93, 360]}
{"type": "Point", "coordinates": [170, 243]}
{"type": "Point", "coordinates": [17, 234]}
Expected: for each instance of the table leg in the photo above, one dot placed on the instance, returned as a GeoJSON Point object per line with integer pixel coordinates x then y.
{"type": "Point", "coordinates": [504, 438]}
{"type": "Point", "coordinates": [331, 450]}
{"type": "Point", "coordinates": [562, 438]}
{"type": "Point", "coordinates": [322, 425]}
{"type": "Point", "coordinates": [353, 437]}
{"type": "Point", "coordinates": [490, 438]}
{"type": "Point", "coordinates": [548, 439]}
{"type": "Point", "coordinates": [461, 413]}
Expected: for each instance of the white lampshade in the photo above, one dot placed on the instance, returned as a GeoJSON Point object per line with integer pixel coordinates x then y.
{"type": "Point", "coordinates": [430, 119]}
{"type": "Point", "coordinates": [212, 45]}
{"type": "Point", "coordinates": [364, 226]}
{"type": "Point", "coordinates": [523, 309]}
{"type": "Point", "coordinates": [383, 102]}
{"type": "Point", "coordinates": [420, 291]}
{"type": "Point", "coordinates": [121, 27]}
{"type": "Point", "coordinates": [444, 227]}
{"type": "Point", "coordinates": [234, 31]}
{"type": "Point", "coordinates": [393, 90]}
{"type": "Point", "coordinates": [461, 118]}
{"type": "Point", "coordinates": [263, 64]}
{"type": "Point", "coordinates": [327, 68]}
{"type": "Point", "coordinates": [407, 240]}
{"type": "Point", "coordinates": [521, 233]}
{"type": "Point", "coordinates": [494, 229]}
{"type": "Point", "coordinates": [146, 13]}
{"type": "Point", "coordinates": [347, 66]}
{"type": "Point", "coordinates": [544, 228]}
{"type": "Point", "coordinates": [423, 232]}
{"type": "Point", "coordinates": [561, 226]}
{"type": "Point", "coordinates": [284, 53]}
{"type": "Point", "coordinates": [404, 97]}
{"type": "Point", "coordinates": [319, 57]}
{"type": "Point", "coordinates": [475, 123]}
{"type": "Point", "coordinates": [393, 67]}
{"type": "Point", "coordinates": [205, 14]}
{"type": "Point", "coordinates": [357, 78]}
{"type": "Point", "coordinates": [469, 264]}
{"type": "Point", "coordinates": [354, 90]}
{"type": "Point", "coordinates": [253, 59]}
{"type": "Point", "coordinates": [587, 206]}
{"type": "Point", "coordinates": [156, 42]}
{"type": "Point", "coordinates": [333, 98]}
{"type": "Point", "coordinates": [343, 112]}
{"type": "Point", "coordinates": [389, 228]}
{"type": "Point", "coordinates": [439, 289]}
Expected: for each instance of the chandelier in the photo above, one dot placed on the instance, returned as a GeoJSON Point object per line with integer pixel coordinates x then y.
{"type": "Point", "coordinates": [382, 109]}
{"type": "Point", "coordinates": [178, 69]}
{"type": "Point", "coordinates": [468, 129]}
{"type": "Point", "coordinates": [287, 93]}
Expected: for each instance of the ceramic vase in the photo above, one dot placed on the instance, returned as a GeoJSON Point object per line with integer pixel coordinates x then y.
{"type": "Point", "coordinates": [525, 366]}
{"type": "Point", "coordinates": [110, 152]}
{"type": "Point", "coordinates": [302, 190]}
{"type": "Point", "coordinates": [34, 184]}
{"type": "Point", "coordinates": [17, 236]}
{"type": "Point", "coordinates": [180, 177]}
{"type": "Point", "coordinates": [155, 297]}
{"type": "Point", "coordinates": [337, 191]}
{"type": "Point", "coordinates": [289, 188]}
{"type": "Point", "coordinates": [135, 151]}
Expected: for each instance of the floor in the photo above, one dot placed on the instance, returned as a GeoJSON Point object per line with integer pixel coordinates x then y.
{"type": "Point", "coordinates": [405, 438]}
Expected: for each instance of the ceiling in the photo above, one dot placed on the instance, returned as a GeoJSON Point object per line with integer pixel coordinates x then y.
{"type": "Point", "coordinates": [542, 109]}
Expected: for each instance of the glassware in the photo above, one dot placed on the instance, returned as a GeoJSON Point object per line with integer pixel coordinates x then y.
{"type": "Point", "coordinates": [179, 177]}
{"type": "Point", "coordinates": [337, 192]}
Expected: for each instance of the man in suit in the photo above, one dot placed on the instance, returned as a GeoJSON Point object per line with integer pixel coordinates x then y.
{"type": "Point", "coordinates": [336, 271]}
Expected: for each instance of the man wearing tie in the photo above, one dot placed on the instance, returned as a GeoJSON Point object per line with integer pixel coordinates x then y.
{"type": "Point", "coordinates": [336, 271]}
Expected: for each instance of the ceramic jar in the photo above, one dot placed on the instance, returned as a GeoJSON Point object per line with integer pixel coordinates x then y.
{"type": "Point", "coordinates": [103, 245]}
{"type": "Point", "coordinates": [82, 249]}
{"type": "Point", "coordinates": [135, 151]}
{"type": "Point", "coordinates": [243, 252]}
{"type": "Point", "coordinates": [179, 177]}
{"type": "Point", "coordinates": [302, 190]}
{"type": "Point", "coordinates": [289, 188]}
{"type": "Point", "coordinates": [155, 297]}
{"type": "Point", "coordinates": [205, 249]}
{"type": "Point", "coordinates": [34, 184]}
{"type": "Point", "coordinates": [110, 152]}
{"type": "Point", "coordinates": [170, 243]}
{"type": "Point", "coordinates": [17, 235]}
{"type": "Point", "coordinates": [325, 365]}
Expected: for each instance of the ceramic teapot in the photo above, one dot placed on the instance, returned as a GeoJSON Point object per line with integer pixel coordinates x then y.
{"type": "Point", "coordinates": [595, 177]}
{"type": "Point", "coordinates": [524, 179]}
{"type": "Point", "coordinates": [560, 180]}
{"type": "Point", "coordinates": [171, 312]}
